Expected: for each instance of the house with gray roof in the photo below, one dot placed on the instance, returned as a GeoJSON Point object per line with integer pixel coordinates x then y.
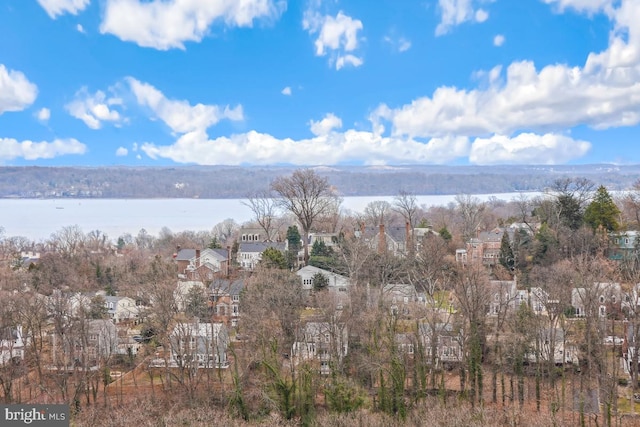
{"type": "Point", "coordinates": [250, 253]}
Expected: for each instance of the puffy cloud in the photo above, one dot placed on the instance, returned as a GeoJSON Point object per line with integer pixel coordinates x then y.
{"type": "Point", "coordinates": [80, 29]}
{"type": "Point", "coordinates": [16, 91]}
{"type": "Point", "coordinates": [589, 6]}
{"type": "Point", "coordinates": [121, 151]}
{"type": "Point", "coordinates": [527, 148]}
{"type": "Point", "coordinates": [481, 15]}
{"type": "Point", "coordinates": [286, 91]}
{"type": "Point", "coordinates": [348, 59]}
{"type": "Point", "coordinates": [456, 12]}
{"type": "Point", "coordinates": [337, 36]}
{"type": "Point", "coordinates": [404, 45]}
{"type": "Point", "coordinates": [165, 25]}
{"type": "Point", "coordinates": [603, 93]}
{"type": "Point", "coordinates": [349, 147]}
{"type": "Point", "coordinates": [11, 149]}
{"type": "Point", "coordinates": [498, 40]}
{"type": "Point", "coordinates": [326, 125]}
{"type": "Point", "coordinates": [60, 7]}
{"type": "Point", "coordinates": [180, 116]}
{"type": "Point", "coordinates": [44, 114]}
{"type": "Point", "coordinates": [94, 109]}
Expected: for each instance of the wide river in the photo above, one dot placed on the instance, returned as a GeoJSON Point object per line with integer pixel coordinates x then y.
{"type": "Point", "coordinates": [36, 219]}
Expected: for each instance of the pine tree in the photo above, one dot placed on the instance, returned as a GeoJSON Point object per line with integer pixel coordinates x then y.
{"type": "Point", "coordinates": [602, 211]}
{"type": "Point", "coordinates": [507, 260]}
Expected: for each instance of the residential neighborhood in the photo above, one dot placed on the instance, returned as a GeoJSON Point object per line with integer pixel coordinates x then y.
{"type": "Point", "coordinates": [396, 308]}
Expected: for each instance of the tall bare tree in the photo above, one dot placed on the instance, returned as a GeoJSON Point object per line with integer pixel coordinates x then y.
{"type": "Point", "coordinates": [470, 209]}
{"type": "Point", "coordinates": [306, 195]}
{"type": "Point", "coordinates": [264, 207]}
{"type": "Point", "coordinates": [376, 212]}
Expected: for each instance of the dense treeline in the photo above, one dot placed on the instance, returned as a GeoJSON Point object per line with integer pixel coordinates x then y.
{"type": "Point", "coordinates": [237, 182]}
{"type": "Point", "coordinates": [383, 360]}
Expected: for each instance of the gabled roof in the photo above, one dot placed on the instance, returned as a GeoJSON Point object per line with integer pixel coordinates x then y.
{"type": "Point", "coordinates": [186, 254]}
{"type": "Point", "coordinates": [259, 247]}
{"type": "Point", "coordinates": [233, 287]}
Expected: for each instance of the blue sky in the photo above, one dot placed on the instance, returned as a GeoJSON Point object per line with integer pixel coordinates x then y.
{"type": "Point", "coordinates": [319, 82]}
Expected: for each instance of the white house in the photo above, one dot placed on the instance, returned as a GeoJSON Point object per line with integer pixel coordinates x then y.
{"type": "Point", "coordinates": [199, 345]}
{"type": "Point", "coordinates": [601, 299]}
{"type": "Point", "coordinates": [335, 282]}
{"type": "Point", "coordinates": [12, 344]}
{"type": "Point", "coordinates": [250, 253]}
{"type": "Point", "coordinates": [121, 309]}
{"type": "Point", "coordinates": [321, 341]}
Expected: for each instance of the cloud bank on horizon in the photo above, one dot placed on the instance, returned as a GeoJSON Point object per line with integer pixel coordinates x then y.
{"type": "Point", "coordinates": [263, 82]}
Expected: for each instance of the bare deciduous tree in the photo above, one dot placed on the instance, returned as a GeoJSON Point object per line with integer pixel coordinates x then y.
{"type": "Point", "coordinates": [471, 210]}
{"type": "Point", "coordinates": [376, 212]}
{"type": "Point", "coordinates": [308, 196]}
{"type": "Point", "coordinates": [264, 207]}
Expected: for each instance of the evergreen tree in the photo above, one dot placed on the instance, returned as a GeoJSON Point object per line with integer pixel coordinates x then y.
{"type": "Point", "coordinates": [445, 234]}
{"type": "Point", "coordinates": [507, 260]}
{"type": "Point", "coordinates": [293, 240]}
{"type": "Point", "coordinates": [319, 248]}
{"type": "Point", "coordinates": [273, 258]}
{"type": "Point", "coordinates": [320, 282]}
{"type": "Point", "coordinates": [602, 211]}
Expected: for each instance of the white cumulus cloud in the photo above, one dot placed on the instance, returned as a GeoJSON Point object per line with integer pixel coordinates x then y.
{"type": "Point", "coordinates": [481, 15]}
{"type": "Point", "coordinates": [44, 114]}
{"type": "Point", "coordinates": [169, 24]}
{"type": "Point", "coordinates": [603, 93]}
{"type": "Point", "coordinates": [80, 29]}
{"type": "Point", "coordinates": [286, 91]}
{"type": "Point", "coordinates": [337, 37]}
{"type": "Point", "coordinates": [527, 148]}
{"type": "Point", "coordinates": [12, 149]}
{"type": "Point", "coordinates": [498, 40]}
{"type": "Point", "coordinates": [456, 12]}
{"type": "Point", "coordinates": [334, 148]}
{"type": "Point", "coordinates": [181, 116]}
{"type": "Point", "coordinates": [16, 91]}
{"type": "Point", "coordinates": [326, 125]}
{"type": "Point", "coordinates": [588, 6]}
{"type": "Point", "coordinates": [94, 109]}
{"type": "Point", "coordinates": [60, 7]}
{"type": "Point", "coordinates": [121, 151]}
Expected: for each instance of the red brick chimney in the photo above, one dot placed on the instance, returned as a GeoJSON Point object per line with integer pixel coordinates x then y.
{"type": "Point", "coordinates": [197, 258]}
{"type": "Point", "coordinates": [382, 240]}
{"type": "Point", "coordinates": [407, 233]}
{"type": "Point", "coordinates": [228, 261]}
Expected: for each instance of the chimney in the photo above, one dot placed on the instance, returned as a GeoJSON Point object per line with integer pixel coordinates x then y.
{"type": "Point", "coordinates": [362, 229]}
{"type": "Point", "coordinates": [228, 261]}
{"type": "Point", "coordinates": [197, 257]}
{"type": "Point", "coordinates": [382, 240]}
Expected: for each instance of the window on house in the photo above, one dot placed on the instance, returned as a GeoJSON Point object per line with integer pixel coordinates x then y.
{"type": "Point", "coordinates": [626, 241]}
{"type": "Point", "coordinates": [601, 299]}
{"type": "Point", "coordinates": [236, 298]}
{"type": "Point", "coordinates": [256, 237]}
{"type": "Point", "coordinates": [603, 311]}
{"type": "Point", "coordinates": [244, 237]}
{"type": "Point", "coordinates": [613, 299]}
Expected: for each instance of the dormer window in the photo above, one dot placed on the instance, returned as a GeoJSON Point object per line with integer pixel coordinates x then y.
{"type": "Point", "coordinates": [601, 299]}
